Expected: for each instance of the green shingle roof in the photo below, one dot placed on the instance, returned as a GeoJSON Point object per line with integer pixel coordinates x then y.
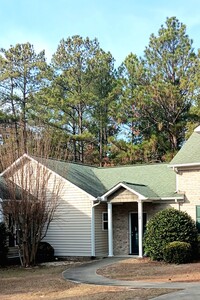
{"type": "Point", "coordinates": [80, 175]}
{"type": "Point", "coordinates": [159, 179]}
{"type": "Point", "coordinates": [141, 189]}
{"type": "Point", "coordinates": [190, 152]}
{"type": "Point", "coordinates": [4, 192]}
{"type": "Point", "coordinates": [152, 181]}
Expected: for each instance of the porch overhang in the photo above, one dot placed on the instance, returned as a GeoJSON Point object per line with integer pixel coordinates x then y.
{"type": "Point", "coordinates": [140, 191]}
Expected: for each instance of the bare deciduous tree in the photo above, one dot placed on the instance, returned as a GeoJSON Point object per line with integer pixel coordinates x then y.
{"type": "Point", "coordinates": [34, 193]}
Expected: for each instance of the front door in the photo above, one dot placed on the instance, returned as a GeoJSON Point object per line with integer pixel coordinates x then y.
{"type": "Point", "coordinates": [134, 235]}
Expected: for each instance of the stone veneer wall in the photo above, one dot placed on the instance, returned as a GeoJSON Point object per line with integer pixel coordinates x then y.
{"type": "Point", "coordinates": [121, 227]}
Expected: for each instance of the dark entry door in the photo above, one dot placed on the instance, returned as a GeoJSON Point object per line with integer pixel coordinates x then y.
{"type": "Point", "coordinates": [134, 232]}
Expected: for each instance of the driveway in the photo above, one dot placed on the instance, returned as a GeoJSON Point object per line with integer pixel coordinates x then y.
{"type": "Point", "coordinates": [86, 273]}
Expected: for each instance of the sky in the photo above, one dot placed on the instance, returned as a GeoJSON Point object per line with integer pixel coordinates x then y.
{"type": "Point", "coordinates": [121, 26]}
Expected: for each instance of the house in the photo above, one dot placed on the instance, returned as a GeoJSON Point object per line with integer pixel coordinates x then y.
{"type": "Point", "coordinates": [103, 211]}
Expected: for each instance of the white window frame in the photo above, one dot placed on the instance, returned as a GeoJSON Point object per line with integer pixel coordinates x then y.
{"type": "Point", "coordinates": [104, 221]}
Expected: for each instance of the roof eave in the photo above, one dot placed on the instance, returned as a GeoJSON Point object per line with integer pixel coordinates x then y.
{"type": "Point", "coordinates": [174, 198]}
{"type": "Point", "coordinates": [117, 186]}
{"type": "Point", "coordinates": [15, 163]}
{"type": "Point", "coordinates": [184, 165]}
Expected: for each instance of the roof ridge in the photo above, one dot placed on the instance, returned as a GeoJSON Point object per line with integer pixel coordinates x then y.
{"type": "Point", "coordinates": [64, 161]}
{"type": "Point", "coordinates": [98, 167]}
{"type": "Point", "coordinates": [134, 165]}
{"type": "Point", "coordinates": [137, 184]}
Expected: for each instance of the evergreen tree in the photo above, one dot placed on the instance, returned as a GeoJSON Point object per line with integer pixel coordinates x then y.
{"type": "Point", "coordinates": [21, 73]}
{"type": "Point", "coordinates": [171, 66]}
{"type": "Point", "coordinates": [73, 62]}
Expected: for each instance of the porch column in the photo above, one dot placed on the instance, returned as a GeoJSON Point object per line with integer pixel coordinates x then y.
{"type": "Point", "coordinates": [110, 231]}
{"type": "Point", "coordinates": [140, 227]}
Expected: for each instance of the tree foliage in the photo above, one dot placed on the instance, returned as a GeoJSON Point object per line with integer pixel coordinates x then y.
{"type": "Point", "coordinates": [141, 112]}
{"type": "Point", "coordinates": [74, 63]}
{"type": "Point", "coordinates": [21, 72]}
{"type": "Point", "coordinates": [171, 66]}
{"type": "Point", "coordinates": [132, 80]}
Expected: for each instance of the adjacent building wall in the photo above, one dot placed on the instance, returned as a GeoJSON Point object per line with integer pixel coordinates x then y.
{"type": "Point", "coordinates": [188, 182]}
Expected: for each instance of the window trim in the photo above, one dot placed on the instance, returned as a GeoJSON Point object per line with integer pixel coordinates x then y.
{"type": "Point", "coordinates": [104, 213]}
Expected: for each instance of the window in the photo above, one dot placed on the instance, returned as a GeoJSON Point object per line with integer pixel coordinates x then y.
{"type": "Point", "coordinates": [104, 221]}
{"type": "Point", "coordinates": [198, 218]}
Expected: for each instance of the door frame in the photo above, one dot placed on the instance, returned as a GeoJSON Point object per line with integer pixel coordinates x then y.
{"type": "Point", "coordinates": [129, 227]}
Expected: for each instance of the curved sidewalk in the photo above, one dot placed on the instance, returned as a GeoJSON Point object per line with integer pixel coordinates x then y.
{"type": "Point", "coordinates": [86, 273]}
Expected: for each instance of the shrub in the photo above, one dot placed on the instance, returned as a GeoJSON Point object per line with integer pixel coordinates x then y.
{"type": "Point", "coordinates": [3, 244]}
{"type": "Point", "coordinates": [167, 226]}
{"type": "Point", "coordinates": [198, 246]}
{"type": "Point", "coordinates": [45, 252]}
{"type": "Point", "coordinates": [177, 253]}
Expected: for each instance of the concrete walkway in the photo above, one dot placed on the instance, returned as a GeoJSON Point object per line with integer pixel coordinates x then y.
{"type": "Point", "coordinates": [86, 273]}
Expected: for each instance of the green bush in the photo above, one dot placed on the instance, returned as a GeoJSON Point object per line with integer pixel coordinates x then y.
{"type": "Point", "coordinates": [167, 226]}
{"type": "Point", "coordinates": [198, 246]}
{"type": "Point", "coordinates": [3, 244]}
{"type": "Point", "coordinates": [177, 253]}
{"type": "Point", "coordinates": [45, 252]}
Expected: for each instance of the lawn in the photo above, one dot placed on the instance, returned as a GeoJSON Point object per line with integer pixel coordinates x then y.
{"type": "Point", "coordinates": [146, 270]}
{"type": "Point", "coordinates": [46, 282]}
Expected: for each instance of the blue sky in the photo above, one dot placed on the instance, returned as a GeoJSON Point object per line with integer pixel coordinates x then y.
{"type": "Point", "coordinates": [121, 26]}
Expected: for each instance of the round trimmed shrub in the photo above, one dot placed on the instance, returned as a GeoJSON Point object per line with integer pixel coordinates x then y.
{"type": "Point", "coordinates": [167, 226]}
{"type": "Point", "coordinates": [3, 244]}
{"type": "Point", "coordinates": [45, 252]}
{"type": "Point", "coordinates": [177, 253]}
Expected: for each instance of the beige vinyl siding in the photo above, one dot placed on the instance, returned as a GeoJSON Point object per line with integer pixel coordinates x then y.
{"type": "Point", "coordinates": [70, 231]}
{"type": "Point", "coordinates": [153, 208]}
{"type": "Point", "coordinates": [101, 236]}
{"type": "Point", "coordinates": [188, 182]}
{"type": "Point", "coordinates": [122, 195]}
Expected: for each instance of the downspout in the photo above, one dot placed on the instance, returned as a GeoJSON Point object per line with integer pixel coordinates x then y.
{"type": "Point", "coordinates": [93, 228]}
{"type": "Point", "coordinates": [176, 171]}
{"type": "Point", "coordinates": [177, 186]}
{"type": "Point", "coordinates": [178, 203]}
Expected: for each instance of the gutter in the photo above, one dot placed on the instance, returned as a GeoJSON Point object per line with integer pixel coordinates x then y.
{"type": "Point", "coordinates": [183, 165]}
{"type": "Point", "coordinates": [175, 199]}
